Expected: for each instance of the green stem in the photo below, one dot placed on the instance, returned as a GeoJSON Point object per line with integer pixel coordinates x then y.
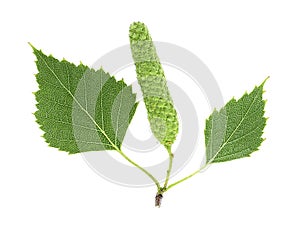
{"type": "Point", "coordinates": [141, 168]}
{"type": "Point", "coordinates": [185, 178]}
{"type": "Point", "coordinates": [171, 156]}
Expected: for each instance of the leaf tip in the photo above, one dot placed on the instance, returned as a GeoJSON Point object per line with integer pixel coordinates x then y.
{"type": "Point", "coordinates": [35, 50]}
{"type": "Point", "coordinates": [31, 45]}
{"type": "Point", "coordinates": [267, 78]}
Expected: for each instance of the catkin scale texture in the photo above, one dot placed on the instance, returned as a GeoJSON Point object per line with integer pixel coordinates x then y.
{"type": "Point", "coordinates": [159, 104]}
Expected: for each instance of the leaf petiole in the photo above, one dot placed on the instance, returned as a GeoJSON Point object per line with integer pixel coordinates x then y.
{"type": "Point", "coordinates": [141, 168]}
{"type": "Point", "coordinates": [186, 178]}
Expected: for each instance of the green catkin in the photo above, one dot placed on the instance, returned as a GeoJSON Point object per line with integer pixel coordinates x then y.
{"type": "Point", "coordinates": [159, 104]}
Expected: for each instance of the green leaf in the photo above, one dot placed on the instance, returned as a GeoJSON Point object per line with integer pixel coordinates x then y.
{"type": "Point", "coordinates": [81, 109]}
{"type": "Point", "coordinates": [236, 130]}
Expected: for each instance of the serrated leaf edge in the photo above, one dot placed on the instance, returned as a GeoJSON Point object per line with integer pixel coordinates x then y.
{"type": "Point", "coordinates": [218, 111]}
{"type": "Point", "coordinates": [39, 52]}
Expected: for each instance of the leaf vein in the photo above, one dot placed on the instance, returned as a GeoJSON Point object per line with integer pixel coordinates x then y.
{"type": "Point", "coordinates": [70, 93]}
{"type": "Point", "coordinates": [243, 118]}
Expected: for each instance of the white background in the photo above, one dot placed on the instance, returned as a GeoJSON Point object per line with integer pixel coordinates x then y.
{"type": "Point", "coordinates": [241, 42]}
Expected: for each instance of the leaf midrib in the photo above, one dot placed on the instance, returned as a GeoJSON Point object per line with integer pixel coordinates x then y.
{"type": "Point", "coordinates": [242, 120]}
{"type": "Point", "coordinates": [70, 93]}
